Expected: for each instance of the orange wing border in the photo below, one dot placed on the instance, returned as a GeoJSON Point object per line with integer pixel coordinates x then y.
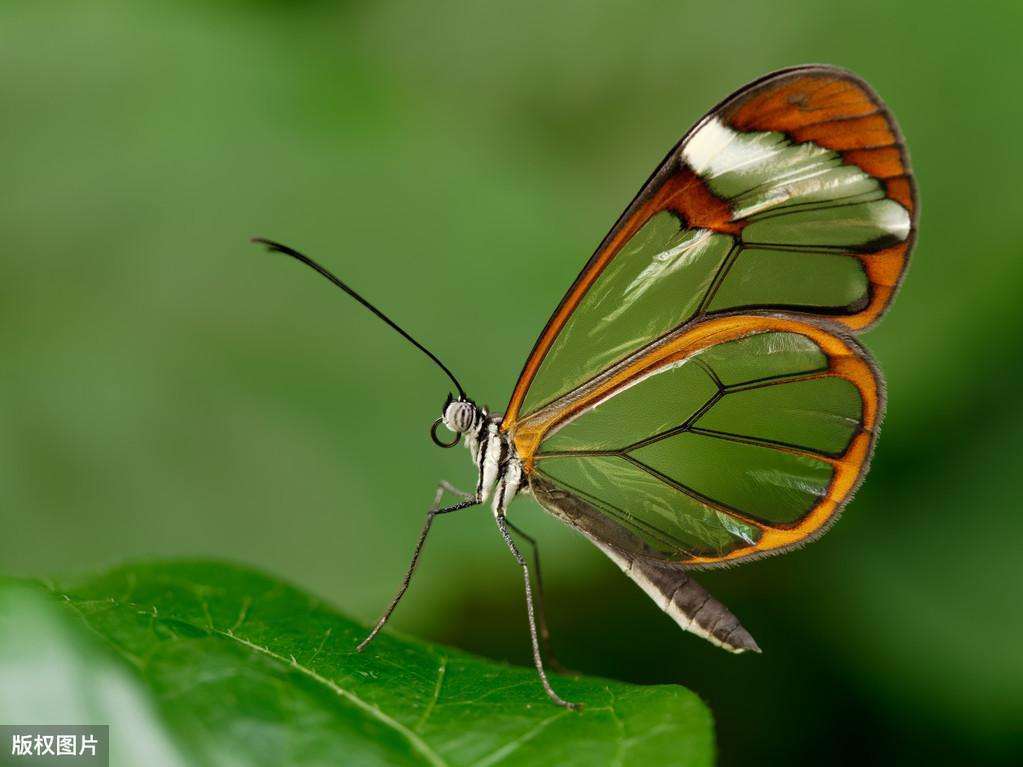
{"type": "Point", "coordinates": [846, 359]}
{"type": "Point", "coordinates": [843, 114]}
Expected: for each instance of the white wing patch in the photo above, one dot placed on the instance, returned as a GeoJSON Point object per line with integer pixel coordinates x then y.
{"type": "Point", "coordinates": [763, 174]}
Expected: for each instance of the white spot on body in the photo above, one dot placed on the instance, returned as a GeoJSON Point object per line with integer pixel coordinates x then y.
{"type": "Point", "coordinates": [491, 464]}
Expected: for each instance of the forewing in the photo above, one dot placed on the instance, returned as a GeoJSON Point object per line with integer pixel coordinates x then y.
{"type": "Point", "coordinates": [736, 436]}
{"type": "Point", "coordinates": [794, 194]}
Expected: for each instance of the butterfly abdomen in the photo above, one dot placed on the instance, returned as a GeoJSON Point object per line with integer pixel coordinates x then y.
{"type": "Point", "coordinates": [690, 605]}
{"type": "Point", "coordinates": [666, 582]}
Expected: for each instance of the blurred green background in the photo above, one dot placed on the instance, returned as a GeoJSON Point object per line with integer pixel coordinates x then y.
{"type": "Point", "coordinates": [169, 389]}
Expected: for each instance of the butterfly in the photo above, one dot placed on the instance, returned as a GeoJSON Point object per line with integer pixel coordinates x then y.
{"type": "Point", "coordinates": [698, 398]}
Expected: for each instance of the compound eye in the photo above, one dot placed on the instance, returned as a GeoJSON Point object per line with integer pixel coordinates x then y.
{"type": "Point", "coordinates": [463, 418]}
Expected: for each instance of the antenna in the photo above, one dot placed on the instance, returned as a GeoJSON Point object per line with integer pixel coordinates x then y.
{"type": "Point", "coordinates": [276, 247]}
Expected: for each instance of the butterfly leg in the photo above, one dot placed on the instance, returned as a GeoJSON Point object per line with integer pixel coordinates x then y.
{"type": "Point", "coordinates": [545, 632]}
{"type": "Point", "coordinates": [502, 525]}
{"type": "Point", "coordinates": [448, 487]}
{"type": "Point", "coordinates": [435, 510]}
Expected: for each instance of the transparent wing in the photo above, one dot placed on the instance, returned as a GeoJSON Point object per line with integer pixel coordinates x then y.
{"type": "Point", "coordinates": [733, 437]}
{"type": "Point", "coordinates": [669, 584]}
{"type": "Point", "coordinates": [792, 195]}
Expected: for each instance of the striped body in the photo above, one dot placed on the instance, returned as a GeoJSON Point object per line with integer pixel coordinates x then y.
{"type": "Point", "coordinates": [498, 468]}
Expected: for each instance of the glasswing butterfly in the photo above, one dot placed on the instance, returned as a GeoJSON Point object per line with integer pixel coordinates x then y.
{"type": "Point", "coordinates": [698, 397]}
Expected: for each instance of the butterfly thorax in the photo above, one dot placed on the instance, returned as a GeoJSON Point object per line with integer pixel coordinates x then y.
{"type": "Point", "coordinates": [498, 468]}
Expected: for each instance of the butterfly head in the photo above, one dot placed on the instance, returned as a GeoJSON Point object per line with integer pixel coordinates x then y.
{"type": "Point", "coordinates": [457, 416]}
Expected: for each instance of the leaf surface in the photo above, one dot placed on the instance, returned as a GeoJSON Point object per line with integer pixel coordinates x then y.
{"type": "Point", "coordinates": [219, 664]}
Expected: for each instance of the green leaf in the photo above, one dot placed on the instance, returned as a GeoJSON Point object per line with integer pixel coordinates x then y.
{"type": "Point", "coordinates": [201, 663]}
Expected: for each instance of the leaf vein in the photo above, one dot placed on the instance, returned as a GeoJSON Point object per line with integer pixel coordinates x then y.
{"type": "Point", "coordinates": [441, 669]}
{"type": "Point", "coordinates": [508, 748]}
{"type": "Point", "coordinates": [414, 740]}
